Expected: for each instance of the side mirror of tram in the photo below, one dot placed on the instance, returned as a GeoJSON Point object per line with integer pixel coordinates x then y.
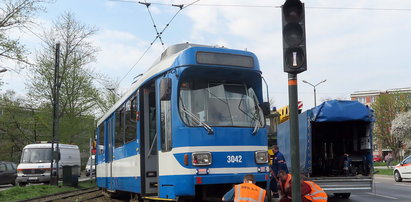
{"type": "Point", "coordinates": [165, 89]}
{"type": "Point", "coordinates": [265, 107]}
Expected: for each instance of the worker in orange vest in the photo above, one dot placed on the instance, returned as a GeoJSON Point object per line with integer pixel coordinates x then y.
{"type": "Point", "coordinates": [285, 185]}
{"type": "Point", "coordinates": [310, 192]}
{"type": "Point", "coordinates": [317, 194]}
{"type": "Point", "coordinates": [246, 192]}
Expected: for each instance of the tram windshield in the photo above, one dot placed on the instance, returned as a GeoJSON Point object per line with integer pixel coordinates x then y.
{"type": "Point", "coordinates": [36, 155]}
{"type": "Point", "coordinates": [219, 104]}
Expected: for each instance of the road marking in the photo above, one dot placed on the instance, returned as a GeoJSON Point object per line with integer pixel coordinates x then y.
{"type": "Point", "coordinates": [384, 196]}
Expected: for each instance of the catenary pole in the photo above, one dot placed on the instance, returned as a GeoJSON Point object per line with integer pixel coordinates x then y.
{"type": "Point", "coordinates": [56, 104]}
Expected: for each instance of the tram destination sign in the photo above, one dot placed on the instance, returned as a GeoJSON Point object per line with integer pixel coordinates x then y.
{"type": "Point", "coordinates": [226, 59]}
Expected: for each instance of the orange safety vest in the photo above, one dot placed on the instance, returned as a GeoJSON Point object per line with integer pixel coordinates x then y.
{"type": "Point", "coordinates": [317, 194]}
{"type": "Point", "coordinates": [286, 184]}
{"type": "Point", "coordinates": [247, 192]}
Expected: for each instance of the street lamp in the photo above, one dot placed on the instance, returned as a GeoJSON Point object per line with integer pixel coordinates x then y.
{"type": "Point", "coordinates": [315, 96]}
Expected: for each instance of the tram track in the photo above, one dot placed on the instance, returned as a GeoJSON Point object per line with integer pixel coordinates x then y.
{"type": "Point", "coordinates": [89, 194]}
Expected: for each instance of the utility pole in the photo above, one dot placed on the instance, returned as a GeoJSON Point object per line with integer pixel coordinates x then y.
{"type": "Point", "coordinates": [35, 125]}
{"type": "Point", "coordinates": [56, 94]}
{"type": "Point", "coordinates": [295, 62]}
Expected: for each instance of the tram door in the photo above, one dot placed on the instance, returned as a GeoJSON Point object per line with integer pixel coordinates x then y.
{"type": "Point", "coordinates": [148, 139]}
{"type": "Point", "coordinates": [109, 152]}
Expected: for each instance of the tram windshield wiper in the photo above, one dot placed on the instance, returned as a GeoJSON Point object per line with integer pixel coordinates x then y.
{"type": "Point", "coordinates": [257, 124]}
{"type": "Point", "coordinates": [195, 118]}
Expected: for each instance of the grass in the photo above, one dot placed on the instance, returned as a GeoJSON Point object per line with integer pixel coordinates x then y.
{"type": "Point", "coordinates": [384, 163]}
{"type": "Point", "coordinates": [22, 193]}
{"type": "Point", "coordinates": [384, 171]}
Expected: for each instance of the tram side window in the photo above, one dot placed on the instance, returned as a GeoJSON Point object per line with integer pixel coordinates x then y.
{"type": "Point", "coordinates": [119, 136]}
{"type": "Point", "coordinates": [130, 120]}
{"type": "Point", "coordinates": [100, 146]}
{"type": "Point", "coordinates": [165, 125]}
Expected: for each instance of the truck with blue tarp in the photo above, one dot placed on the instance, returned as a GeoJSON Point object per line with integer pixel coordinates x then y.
{"type": "Point", "coordinates": [335, 146]}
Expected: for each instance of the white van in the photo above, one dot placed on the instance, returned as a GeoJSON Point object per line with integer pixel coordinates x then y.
{"type": "Point", "coordinates": [91, 166]}
{"type": "Point", "coordinates": [35, 162]}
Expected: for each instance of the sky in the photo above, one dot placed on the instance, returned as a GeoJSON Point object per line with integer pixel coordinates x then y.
{"type": "Point", "coordinates": [354, 44]}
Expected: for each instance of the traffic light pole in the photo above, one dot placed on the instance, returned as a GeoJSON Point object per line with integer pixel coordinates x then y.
{"type": "Point", "coordinates": [294, 137]}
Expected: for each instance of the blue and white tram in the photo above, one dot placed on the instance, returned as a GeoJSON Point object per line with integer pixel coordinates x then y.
{"type": "Point", "coordinates": [190, 127]}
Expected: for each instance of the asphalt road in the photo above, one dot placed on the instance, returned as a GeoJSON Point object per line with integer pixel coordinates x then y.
{"type": "Point", "coordinates": [385, 189]}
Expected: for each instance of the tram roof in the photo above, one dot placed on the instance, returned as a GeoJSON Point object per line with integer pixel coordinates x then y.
{"type": "Point", "coordinates": [162, 64]}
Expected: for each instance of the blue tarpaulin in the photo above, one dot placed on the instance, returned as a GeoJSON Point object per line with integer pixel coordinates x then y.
{"type": "Point", "coordinates": [342, 110]}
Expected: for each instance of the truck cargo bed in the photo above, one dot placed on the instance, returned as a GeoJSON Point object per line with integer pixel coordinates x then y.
{"type": "Point", "coordinates": [333, 185]}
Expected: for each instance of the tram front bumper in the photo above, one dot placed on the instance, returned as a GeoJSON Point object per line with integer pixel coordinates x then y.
{"type": "Point", "coordinates": [227, 178]}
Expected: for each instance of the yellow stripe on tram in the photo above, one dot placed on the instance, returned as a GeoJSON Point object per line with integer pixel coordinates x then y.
{"type": "Point", "coordinates": [159, 199]}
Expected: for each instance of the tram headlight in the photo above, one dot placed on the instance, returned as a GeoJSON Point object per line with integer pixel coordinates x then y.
{"type": "Point", "coordinates": [261, 157]}
{"type": "Point", "coordinates": [201, 158]}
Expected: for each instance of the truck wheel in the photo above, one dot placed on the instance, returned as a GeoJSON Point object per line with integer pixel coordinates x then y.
{"type": "Point", "coordinates": [345, 195]}
{"type": "Point", "coordinates": [397, 176]}
{"type": "Point", "coordinates": [342, 195]}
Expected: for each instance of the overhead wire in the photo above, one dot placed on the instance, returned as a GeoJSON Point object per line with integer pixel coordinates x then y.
{"type": "Point", "coordinates": [276, 6]}
{"type": "Point", "coordinates": [139, 59]}
{"type": "Point", "coordinates": [34, 33]}
{"type": "Point", "coordinates": [152, 20]}
{"type": "Point", "coordinates": [181, 6]}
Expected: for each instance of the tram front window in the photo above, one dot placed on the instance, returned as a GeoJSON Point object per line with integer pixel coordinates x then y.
{"type": "Point", "coordinates": [219, 104]}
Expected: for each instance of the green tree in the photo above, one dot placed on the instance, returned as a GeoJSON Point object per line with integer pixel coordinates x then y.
{"type": "Point", "coordinates": [78, 94]}
{"type": "Point", "coordinates": [16, 14]}
{"type": "Point", "coordinates": [386, 107]}
{"type": "Point", "coordinates": [77, 91]}
{"type": "Point", "coordinates": [19, 126]}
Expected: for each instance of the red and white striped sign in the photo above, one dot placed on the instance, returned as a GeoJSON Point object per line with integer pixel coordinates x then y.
{"type": "Point", "coordinates": [300, 104]}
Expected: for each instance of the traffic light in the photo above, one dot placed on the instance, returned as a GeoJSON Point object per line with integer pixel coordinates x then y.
{"type": "Point", "coordinates": [294, 51]}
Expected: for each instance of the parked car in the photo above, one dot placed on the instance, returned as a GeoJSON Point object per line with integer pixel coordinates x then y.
{"type": "Point", "coordinates": [8, 173]}
{"type": "Point", "coordinates": [91, 161]}
{"type": "Point", "coordinates": [377, 159]}
{"type": "Point", "coordinates": [403, 170]}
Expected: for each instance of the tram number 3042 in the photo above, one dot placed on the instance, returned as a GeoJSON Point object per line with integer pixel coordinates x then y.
{"type": "Point", "coordinates": [234, 159]}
